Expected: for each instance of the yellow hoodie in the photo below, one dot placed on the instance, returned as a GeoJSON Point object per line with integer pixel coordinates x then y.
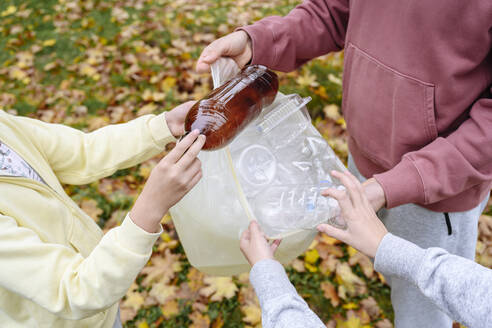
{"type": "Point", "coordinates": [56, 267]}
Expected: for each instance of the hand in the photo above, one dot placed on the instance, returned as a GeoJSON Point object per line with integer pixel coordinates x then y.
{"type": "Point", "coordinates": [169, 181]}
{"type": "Point", "coordinates": [375, 193]}
{"type": "Point", "coordinates": [236, 45]}
{"type": "Point", "coordinates": [255, 246]}
{"type": "Point", "coordinates": [175, 118]}
{"type": "Point", "coordinates": [364, 229]}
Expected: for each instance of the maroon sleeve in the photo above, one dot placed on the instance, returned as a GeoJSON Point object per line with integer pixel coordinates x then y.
{"type": "Point", "coordinates": [312, 29]}
{"type": "Point", "coordinates": [447, 166]}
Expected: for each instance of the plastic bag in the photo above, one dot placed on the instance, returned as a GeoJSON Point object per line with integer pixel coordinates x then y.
{"type": "Point", "coordinates": [272, 172]}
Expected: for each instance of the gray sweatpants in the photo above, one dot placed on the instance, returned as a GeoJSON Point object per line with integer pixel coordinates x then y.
{"type": "Point", "coordinates": [457, 234]}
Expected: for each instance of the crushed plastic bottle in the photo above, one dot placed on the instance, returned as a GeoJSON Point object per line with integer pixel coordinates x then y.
{"type": "Point", "coordinates": [227, 110]}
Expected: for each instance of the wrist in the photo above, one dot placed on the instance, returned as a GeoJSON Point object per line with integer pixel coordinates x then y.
{"type": "Point", "coordinates": [378, 238]}
{"type": "Point", "coordinates": [146, 216]}
{"type": "Point", "coordinates": [175, 128]}
{"type": "Point", "coordinates": [374, 193]}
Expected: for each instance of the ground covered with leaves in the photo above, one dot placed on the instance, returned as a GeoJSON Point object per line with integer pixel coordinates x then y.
{"type": "Point", "coordinates": [89, 63]}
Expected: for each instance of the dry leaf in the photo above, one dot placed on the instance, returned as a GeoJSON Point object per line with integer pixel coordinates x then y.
{"type": "Point", "coordinates": [199, 320]}
{"type": "Point", "coordinates": [219, 288]}
{"type": "Point", "coordinates": [330, 293]}
{"type": "Point", "coordinates": [161, 269]}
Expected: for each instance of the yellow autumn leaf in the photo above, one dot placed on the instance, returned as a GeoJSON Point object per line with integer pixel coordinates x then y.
{"type": "Point", "coordinates": [17, 74]}
{"type": "Point", "coordinates": [147, 109]}
{"type": "Point", "coordinates": [158, 96]}
{"type": "Point", "coordinates": [252, 314]}
{"type": "Point", "coordinates": [352, 322]}
{"type": "Point", "coordinates": [341, 121]}
{"type": "Point", "coordinates": [332, 112]}
{"type": "Point", "coordinates": [89, 71]}
{"type": "Point", "coordinates": [307, 80]}
{"type": "Point", "coordinates": [165, 237]}
{"type": "Point", "coordinates": [162, 268]}
{"type": "Point", "coordinates": [350, 306]}
{"type": "Point", "coordinates": [143, 324]}
{"type": "Point", "coordinates": [147, 95]}
{"type": "Point", "coordinates": [162, 292]}
{"type": "Point", "coordinates": [347, 278]}
{"type": "Point", "coordinates": [328, 240]}
{"type": "Point", "coordinates": [49, 43]}
{"type": "Point", "coordinates": [133, 300]}
{"type": "Point", "coordinates": [168, 83]}
{"type": "Point", "coordinates": [219, 288]}
{"type": "Point", "coordinates": [310, 267]}
{"type": "Point", "coordinates": [199, 320]}
{"type": "Point", "coordinates": [170, 309]}
{"type": "Point", "coordinates": [9, 11]}
{"type": "Point", "coordinates": [166, 219]}
{"type": "Point", "coordinates": [311, 256]}
{"type": "Point", "coordinates": [351, 251]}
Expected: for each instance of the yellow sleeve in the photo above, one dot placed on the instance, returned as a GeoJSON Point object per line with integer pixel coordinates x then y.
{"type": "Point", "coordinates": [60, 280]}
{"type": "Point", "coordinates": [78, 158]}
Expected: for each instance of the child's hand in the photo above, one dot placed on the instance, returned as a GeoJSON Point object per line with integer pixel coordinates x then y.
{"type": "Point", "coordinates": [364, 229]}
{"type": "Point", "coordinates": [254, 245]}
{"type": "Point", "coordinates": [175, 118]}
{"type": "Point", "coordinates": [169, 181]}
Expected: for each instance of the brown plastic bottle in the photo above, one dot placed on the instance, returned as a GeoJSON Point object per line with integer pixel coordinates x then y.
{"type": "Point", "coordinates": [227, 110]}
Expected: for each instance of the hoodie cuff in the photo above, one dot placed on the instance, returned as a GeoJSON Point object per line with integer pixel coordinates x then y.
{"type": "Point", "coordinates": [399, 258]}
{"type": "Point", "coordinates": [402, 184]}
{"type": "Point", "coordinates": [132, 237]}
{"type": "Point", "coordinates": [262, 44]}
{"type": "Point", "coordinates": [160, 130]}
{"type": "Point", "coordinates": [269, 280]}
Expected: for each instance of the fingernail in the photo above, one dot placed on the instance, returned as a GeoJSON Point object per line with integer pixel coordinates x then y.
{"type": "Point", "coordinates": [196, 132]}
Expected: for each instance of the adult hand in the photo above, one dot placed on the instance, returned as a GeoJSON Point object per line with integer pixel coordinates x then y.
{"type": "Point", "coordinates": [175, 118]}
{"type": "Point", "coordinates": [176, 174]}
{"type": "Point", "coordinates": [364, 229]}
{"type": "Point", "coordinates": [255, 246]}
{"type": "Point", "coordinates": [236, 45]}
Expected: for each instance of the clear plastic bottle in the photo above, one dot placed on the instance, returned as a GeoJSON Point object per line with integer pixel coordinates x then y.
{"type": "Point", "coordinates": [227, 110]}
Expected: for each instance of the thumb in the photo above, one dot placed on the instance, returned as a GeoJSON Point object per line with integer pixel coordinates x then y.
{"type": "Point", "coordinates": [209, 55]}
{"type": "Point", "coordinates": [333, 232]}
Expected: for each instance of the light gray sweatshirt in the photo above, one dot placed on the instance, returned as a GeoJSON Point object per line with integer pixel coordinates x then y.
{"type": "Point", "coordinates": [460, 287]}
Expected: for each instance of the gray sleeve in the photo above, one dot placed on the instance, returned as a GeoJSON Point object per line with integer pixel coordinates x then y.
{"type": "Point", "coordinates": [460, 287]}
{"type": "Point", "coordinates": [280, 304]}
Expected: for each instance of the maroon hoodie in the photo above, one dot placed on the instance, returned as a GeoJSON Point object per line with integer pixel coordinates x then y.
{"type": "Point", "coordinates": [416, 89]}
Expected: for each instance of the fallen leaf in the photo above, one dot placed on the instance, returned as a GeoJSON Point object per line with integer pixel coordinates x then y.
{"type": "Point", "coordinates": [161, 269]}
{"type": "Point", "coordinates": [219, 288]}
{"type": "Point", "coordinates": [170, 309]}
{"type": "Point", "coordinates": [330, 293]}
{"type": "Point", "coordinates": [199, 320]}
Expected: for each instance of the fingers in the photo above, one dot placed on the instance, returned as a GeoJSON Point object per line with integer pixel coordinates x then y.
{"type": "Point", "coordinates": [244, 240]}
{"type": "Point", "coordinates": [255, 229]}
{"type": "Point", "coordinates": [334, 232]}
{"type": "Point", "coordinates": [196, 178]}
{"type": "Point", "coordinates": [209, 55]}
{"type": "Point", "coordinates": [190, 155]}
{"type": "Point", "coordinates": [354, 188]}
{"type": "Point", "coordinates": [275, 245]}
{"type": "Point", "coordinates": [182, 146]}
{"type": "Point", "coordinates": [341, 196]}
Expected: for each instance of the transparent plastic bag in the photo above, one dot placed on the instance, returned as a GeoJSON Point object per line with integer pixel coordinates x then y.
{"type": "Point", "coordinates": [272, 172]}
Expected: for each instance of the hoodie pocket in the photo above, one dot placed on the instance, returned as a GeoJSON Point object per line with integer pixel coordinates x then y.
{"type": "Point", "coordinates": [388, 113]}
